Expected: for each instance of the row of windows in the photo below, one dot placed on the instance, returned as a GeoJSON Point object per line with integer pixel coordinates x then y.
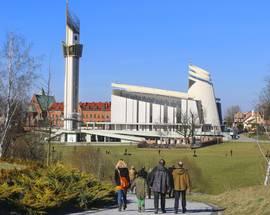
{"type": "Point", "coordinates": [54, 116]}
{"type": "Point", "coordinates": [95, 116]}
{"type": "Point", "coordinates": [98, 116]}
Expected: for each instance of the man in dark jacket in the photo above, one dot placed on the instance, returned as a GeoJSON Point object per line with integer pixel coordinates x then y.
{"type": "Point", "coordinates": [181, 185]}
{"type": "Point", "coordinates": [160, 184]}
{"type": "Point", "coordinates": [171, 190]}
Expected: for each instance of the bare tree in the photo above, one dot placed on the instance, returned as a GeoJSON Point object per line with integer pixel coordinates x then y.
{"type": "Point", "coordinates": [264, 100]}
{"type": "Point", "coordinates": [17, 73]}
{"type": "Point", "coordinates": [231, 111]}
{"type": "Point", "coordinates": [48, 120]}
{"type": "Point", "coordinates": [189, 123]}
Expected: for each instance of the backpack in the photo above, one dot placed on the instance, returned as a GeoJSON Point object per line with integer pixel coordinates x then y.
{"type": "Point", "coordinates": [124, 182]}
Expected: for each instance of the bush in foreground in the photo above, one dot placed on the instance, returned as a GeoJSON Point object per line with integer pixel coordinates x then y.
{"type": "Point", "coordinates": [38, 190]}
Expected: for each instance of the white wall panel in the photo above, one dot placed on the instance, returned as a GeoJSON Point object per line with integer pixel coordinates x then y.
{"type": "Point", "coordinates": [184, 107]}
{"type": "Point", "coordinates": [129, 110]}
{"type": "Point", "coordinates": [156, 113]}
{"type": "Point", "coordinates": [192, 107]}
{"type": "Point", "coordinates": [147, 113]}
{"type": "Point", "coordinates": [170, 114]}
{"type": "Point", "coordinates": [118, 109]}
{"type": "Point", "coordinates": [142, 112]}
{"type": "Point", "coordinates": [161, 113]}
{"type": "Point", "coordinates": [134, 111]}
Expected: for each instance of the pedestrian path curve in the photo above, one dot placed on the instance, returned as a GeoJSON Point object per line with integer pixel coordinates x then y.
{"type": "Point", "coordinates": [194, 208]}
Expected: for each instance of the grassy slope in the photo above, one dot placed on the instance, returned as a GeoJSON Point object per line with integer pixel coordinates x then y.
{"type": "Point", "coordinates": [6, 165]}
{"type": "Point", "coordinates": [212, 171]}
{"type": "Point", "coordinates": [250, 200]}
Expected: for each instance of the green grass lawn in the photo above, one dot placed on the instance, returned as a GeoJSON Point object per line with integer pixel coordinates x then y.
{"type": "Point", "coordinates": [213, 171]}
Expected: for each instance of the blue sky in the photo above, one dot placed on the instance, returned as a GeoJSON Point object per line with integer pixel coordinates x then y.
{"type": "Point", "coordinates": [151, 43]}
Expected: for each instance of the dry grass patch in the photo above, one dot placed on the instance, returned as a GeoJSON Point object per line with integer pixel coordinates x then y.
{"type": "Point", "coordinates": [250, 200]}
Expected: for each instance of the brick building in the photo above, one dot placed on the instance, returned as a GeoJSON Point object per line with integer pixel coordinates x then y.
{"type": "Point", "coordinates": [89, 112]}
{"type": "Point", "coordinates": [37, 109]}
{"type": "Point", "coordinates": [56, 114]}
{"type": "Point", "coordinates": [95, 111]}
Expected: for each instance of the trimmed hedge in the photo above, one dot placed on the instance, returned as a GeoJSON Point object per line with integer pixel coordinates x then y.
{"type": "Point", "coordinates": [37, 190]}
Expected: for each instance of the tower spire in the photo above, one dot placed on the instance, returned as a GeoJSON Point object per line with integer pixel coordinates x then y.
{"type": "Point", "coordinates": [72, 52]}
{"type": "Point", "coordinates": [66, 11]}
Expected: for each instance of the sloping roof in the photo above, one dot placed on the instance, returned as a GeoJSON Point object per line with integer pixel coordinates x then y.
{"type": "Point", "coordinates": [85, 106]}
{"type": "Point", "coordinates": [153, 91]}
{"type": "Point", "coordinates": [45, 101]}
{"type": "Point", "coordinates": [57, 106]}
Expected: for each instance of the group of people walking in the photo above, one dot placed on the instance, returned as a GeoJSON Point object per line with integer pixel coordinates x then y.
{"type": "Point", "coordinates": [159, 180]}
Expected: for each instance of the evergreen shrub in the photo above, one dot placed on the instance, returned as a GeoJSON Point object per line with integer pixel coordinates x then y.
{"type": "Point", "coordinates": [44, 190]}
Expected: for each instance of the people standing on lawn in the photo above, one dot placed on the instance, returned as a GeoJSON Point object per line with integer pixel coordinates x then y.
{"type": "Point", "coordinates": [122, 181]}
{"type": "Point", "coordinates": [182, 184]}
{"type": "Point", "coordinates": [160, 184]}
{"type": "Point", "coordinates": [141, 189]}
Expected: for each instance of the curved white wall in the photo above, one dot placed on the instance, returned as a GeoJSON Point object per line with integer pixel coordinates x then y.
{"type": "Point", "coordinates": [202, 89]}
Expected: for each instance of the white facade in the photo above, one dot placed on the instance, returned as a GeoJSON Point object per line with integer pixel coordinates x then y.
{"type": "Point", "coordinates": [143, 105]}
{"type": "Point", "coordinates": [201, 88]}
{"type": "Point", "coordinates": [129, 109]}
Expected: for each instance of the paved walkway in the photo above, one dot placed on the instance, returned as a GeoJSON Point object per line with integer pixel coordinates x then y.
{"type": "Point", "coordinates": [244, 138]}
{"type": "Point", "coordinates": [194, 208]}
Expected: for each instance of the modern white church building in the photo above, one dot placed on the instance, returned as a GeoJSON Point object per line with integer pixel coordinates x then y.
{"type": "Point", "coordinates": [145, 109]}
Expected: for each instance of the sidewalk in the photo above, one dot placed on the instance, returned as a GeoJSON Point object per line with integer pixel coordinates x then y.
{"type": "Point", "coordinates": [194, 208]}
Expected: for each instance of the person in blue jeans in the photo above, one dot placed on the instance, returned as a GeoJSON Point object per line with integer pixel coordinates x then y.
{"type": "Point", "coordinates": [122, 181]}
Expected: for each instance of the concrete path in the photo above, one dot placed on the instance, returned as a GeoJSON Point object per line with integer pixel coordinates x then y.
{"type": "Point", "coordinates": [194, 208]}
{"type": "Point", "coordinates": [244, 138]}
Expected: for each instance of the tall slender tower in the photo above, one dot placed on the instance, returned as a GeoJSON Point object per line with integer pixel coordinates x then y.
{"type": "Point", "coordinates": [72, 52]}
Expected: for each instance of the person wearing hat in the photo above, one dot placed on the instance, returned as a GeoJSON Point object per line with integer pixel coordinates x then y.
{"type": "Point", "coordinates": [181, 185]}
{"type": "Point", "coordinates": [160, 184]}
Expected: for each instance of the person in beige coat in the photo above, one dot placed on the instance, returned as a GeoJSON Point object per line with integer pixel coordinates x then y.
{"type": "Point", "coordinates": [181, 185]}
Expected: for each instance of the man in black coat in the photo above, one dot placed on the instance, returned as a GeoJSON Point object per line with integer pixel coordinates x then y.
{"type": "Point", "coordinates": [171, 191]}
{"type": "Point", "coordinates": [160, 184]}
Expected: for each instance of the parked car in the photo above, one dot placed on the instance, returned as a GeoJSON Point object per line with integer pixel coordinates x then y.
{"type": "Point", "coordinates": [233, 133]}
